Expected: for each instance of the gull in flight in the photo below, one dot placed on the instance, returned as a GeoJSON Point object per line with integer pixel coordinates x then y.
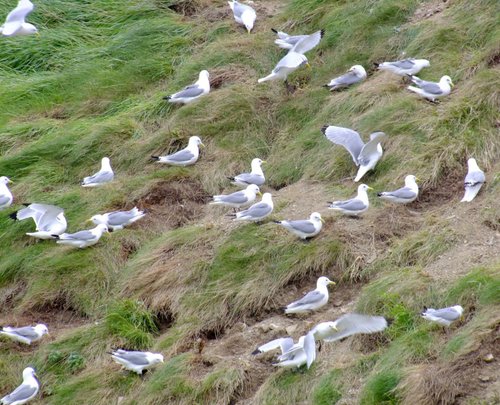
{"type": "Point", "coordinates": [15, 24]}
{"type": "Point", "coordinates": [185, 157]}
{"type": "Point", "coordinates": [192, 92]}
{"type": "Point", "coordinates": [49, 220]}
{"type": "Point", "coordinates": [313, 300]}
{"type": "Point", "coordinates": [103, 176]}
{"type": "Point", "coordinates": [286, 41]}
{"type": "Point", "coordinates": [25, 334]}
{"type": "Point", "coordinates": [347, 325]}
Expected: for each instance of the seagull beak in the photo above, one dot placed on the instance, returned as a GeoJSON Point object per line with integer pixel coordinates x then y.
{"type": "Point", "coordinates": [37, 34]}
{"type": "Point", "coordinates": [332, 282]}
{"type": "Point", "coordinates": [259, 193]}
{"type": "Point", "coordinates": [308, 65]}
{"type": "Point", "coordinates": [202, 145]}
{"type": "Point", "coordinates": [322, 220]}
{"type": "Point", "coordinates": [370, 188]}
{"type": "Point", "coordinates": [451, 84]}
{"type": "Point", "coordinates": [417, 179]}
{"type": "Point", "coordinates": [264, 161]}
{"type": "Point", "coordinates": [89, 220]}
{"type": "Point", "coordinates": [334, 328]}
{"type": "Point", "coordinates": [10, 181]}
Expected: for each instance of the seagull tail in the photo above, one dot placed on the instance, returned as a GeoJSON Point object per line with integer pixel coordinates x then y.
{"type": "Point", "coordinates": [230, 178]}
{"type": "Point", "coordinates": [14, 215]}
{"type": "Point", "coordinates": [380, 194]}
{"type": "Point", "coordinates": [324, 128]}
{"type": "Point", "coordinates": [231, 215]}
{"type": "Point", "coordinates": [256, 351]}
{"type": "Point", "coordinates": [277, 222]}
{"type": "Point", "coordinates": [376, 64]}
{"type": "Point", "coordinates": [167, 97]}
{"type": "Point", "coordinates": [155, 157]}
{"type": "Point", "coordinates": [55, 236]}
{"type": "Point", "coordinates": [327, 86]}
{"type": "Point", "coordinates": [274, 30]}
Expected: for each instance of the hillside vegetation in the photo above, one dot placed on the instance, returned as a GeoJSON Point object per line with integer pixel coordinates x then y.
{"type": "Point", "coordinates": [186, 279]}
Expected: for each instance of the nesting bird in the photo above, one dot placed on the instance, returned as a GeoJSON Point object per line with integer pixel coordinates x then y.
{"type": "Point", "coordinates": [26, 391]}
{"type": "Point", "coordinates": [117, 220]}
{"type": "Point", "coordinates": [404, 195]}
{"type": "Point", "coordinates": [82, 239]}
{"type": "Point", "coordinates": [430, 90]}
{"type": "Point", "coordinates": [354, 206]}
{"type": "Point", "coordinates": [473, 181]}
{"type": "Point", "coordinates": [306, 228]}
{"type": "Point", "coordinates": [313, 300]}
{"type": "Point", "coordinates": [192, 92]}
{"type": "Point", "coordinates": [136, 361]}
{"type": "Point", "coordinates": [355, 74]}
{"type": "Point", "coordinates": [6, 197]}
{"type": "Point", "coordinates": [25, 334]}
{"type": "Point", "coordinates": [243, 14]}
{"type": "Point", "coordinates": [443, 316]}
{"type": "Point", "coordinates": [15, 23]}
{"type": "Point", "coordinates": [256, 212]}
{"type": "Point", "coordinates": [185, 157]}
{"type": "Point", "coordinates": [49, 220]}
{"type": "Point", "coordinates": [347, 325]}
{"type": "Point", "coordinates": [256, 176]}
{"type": "Point", "coordinates": [364, 155]}
{"type": "Point", "coordinates": [238, 199]}
{"type": "Point", "coordinates": [404, 67]}
{"type": "Point", "coordinates": [103, 176]}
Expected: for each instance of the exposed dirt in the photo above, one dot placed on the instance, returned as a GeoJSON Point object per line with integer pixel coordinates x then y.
{"type": "Point", "coordinates": [430, 9]}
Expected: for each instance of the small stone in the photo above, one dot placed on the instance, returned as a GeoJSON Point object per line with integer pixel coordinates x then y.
{"type": "Point", "coordinates": [290, 329]}
{"type": "Point", "coordinates": [275, 327]}
{"type": "Point", "coordinates": [484, 378]}
{"type": "Point", "coordinates": [264, 327]}
{"type": "Point", "coordinates": [489, 358]}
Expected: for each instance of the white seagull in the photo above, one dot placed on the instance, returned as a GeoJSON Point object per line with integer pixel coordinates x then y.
{"type": "Point", "coordinates": [49, 220]}
{"type": "Point", "coordinates": [404, 67]}
{"type": "Point", "coordinates": [306, 228]}
{"type": "Point", "coordinates": [103, 176]}
{"type": "Point", "coordinates": [354, 206]}
{"type": "Point", "coordinates": [15, 24]}
{"type": "Point", "coordinates": [25, 334]}
{"type": "Point", "coordinates": [82, 239]}
{"type": "Point", "coordinates": [117, 220]}
{"type": "Point", "coordinates": [256, 176]}
{"type": "Point", "coordinates": [5, 194]}
{"type": "Point", "coordinates": [185, 157]}
{"type": "Point", "coordinates": [364, 155]}
{"type": "Point", "coordinates": [443, 316]}
{"type": "Point", "coordinates": [239, 198]}
{"type": "Point", "coordinates": [347, 325]}
{"type": "Point", "coordinates": [473, 181]}
{"type": "Point", "coordinates": [136, 361]}
{"type": "Point", "coordinates": [313, 300]}
{"type": "Point", "coordinates": [256, 212]}
{"type": "Point", "coordinates": [404, 195]}
{"type": "Point", "coordinates": [294, 58]}
{"type": "Point", "coordinates": [243, 14]}
{"type": "Point", "coordinates": [354, 75]}
{"type": "Point", "coordinates": [430, 90]}
{"type": "Point", "coordinates": [309, 42]}
{"type": "Point", "coordinates": [25, 392]}
{"type": "Point", "coordinates": [192, 92]}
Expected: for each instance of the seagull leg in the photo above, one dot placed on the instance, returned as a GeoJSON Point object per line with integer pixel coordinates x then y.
{"type": "Point", "coordinates": [290, 88]}
{"type": "Point", "coordinates": [320, 346]}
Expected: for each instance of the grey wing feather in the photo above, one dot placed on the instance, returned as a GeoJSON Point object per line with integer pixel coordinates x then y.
{"type": "Point", "coordinates": [403, 64]}
{"type": "Point", "coordinates": [310, 298]}
{"type": "Point", "coordinates": [183, 155]}
{"type": "Point", "coordinates": [137, 358]}
{"type": "Point", "coordinates": [19, 13]}
{"type": "Point", "coordinates": [347, 138]}
{"type": "Point", "coordinates": [119, 217]}
{"type": "Point", "coordinates": [238, 9]}
{"type": "Point", "coordinates": [431, 88]}
{"type": "Point", "coordinates": [350, 205]}
{"type": "Point", "coordinates": [446, 313]}
{"type": "Point", "coordinates": [4, 199]}
{"type": "Point", "coordinates": [350, 324]}
{"type": "Point", "coordinates": [404, 192]}
{"type": "Point", "coordinates": [290, 60]}
{"type": "Point", "coordinates": [81, 235]}
{"type": "Point", "coordinates": [21, 393]}
{"type": "Point", "coordinates": [473, 178]}
{"type": "Point", "coordinates": [308, 42]}
{"type": "Point", "coordinates": [101, 177]}
{"type": "Point", "coordinates": [250, 178]}
{"type": "Point", "coordinates": [257, 210]}
{"type": "Point", "coordinates": [191, 91]}
{"type": "Point", "coordinates": [369, 150]}
{"type": "Point", "coordinates": [235, 198]}
{"type": "Point", "coordinates": [26, 331]}
{"type": "Point", "coordinates": [302, 226]}
{"type": "Point", "coordinates": [347, 79]}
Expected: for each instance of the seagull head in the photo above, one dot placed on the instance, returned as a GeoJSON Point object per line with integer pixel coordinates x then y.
{"type": "Point", "coordinates": [5, 180]}
{"type": "Point", "coordinates": [30, 29]}
{"type": "Point", "coordinates": [28, 372]}
{"type": "Point", "coordinates": [410, 180]}
{"type": "Point", "coordinates": [196, 140]}
{"type": "Point", "coordinates": [98, 219]}
{"type": "Point", "coordinates": [363, 188]}
{"type": "Point", "coordinates": [425, 63]}
{"type": "Point", "coordinates": [316, 217]}
{"type": "Point", "coordinates": [203, 74]}
{"type": "Point", "coordinates": [377, 135]}
{"type": "Point", "coordinates": [446, 79]}
{"type": "Point", "coordinates": [253, 188]}
{"type": "Point", "coordinates": [267, 198]}
{"type": "Point", "coordinates": [333, 326]}
{"type": "Point", "coordinates": [358, 70]}
{"type": "Point", "coordinates": [257, 162]}
{"type": "Point", "coordinates": [459, 309]}
{"type": "Point", "coordinates": [42, 328]}
{"type": "Point", "coordinates": [324, 281]}
{"type": "Point", "coordinates": [157, 358]}
{"type": "Point", "coordinates": [102, 228]}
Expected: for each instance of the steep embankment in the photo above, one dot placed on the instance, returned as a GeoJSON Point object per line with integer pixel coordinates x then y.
{"type": "Point", "coordinates": [186, 279]}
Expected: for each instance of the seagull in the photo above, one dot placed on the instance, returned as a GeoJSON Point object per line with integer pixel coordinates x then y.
{"type": "Point", "coordinates": [430, 90]}
{"type": "Point", "coordinates": [238, 199]}
{"type": "Point", "coordinates": [105, 175]}
{"type": "Point", "coordinates": [5, 194]}
{"type": "Point", "coordinates": [256, 176]}
{"type": "Point", "coordinates": [256, 212]}
{"type": "Point", "coordinates": [26, 334]}
{"type": "Point", "coordinates": [364, 155]}
{"type": "Point", "coordinates": [473, 181]}
{"type": "Point", "coordinates": [306, 228]}
{"type": "Point", "coordinates": [15, 24]}
{"type": "Point", "coordinates": [292, 355]}
{"type": "Point", "coordinates": [444, 316]}
{"type": "Point", "coordinates": [25, 392]}
{"type": "Point", "coordinates": [313, 300]}
{"type": "Point", "coordinates": [309, 42]}
{"type": "Point", "coordinates": [49, 219]}
{"type": "Point", "coordinates": [243, 14]}
{"type": "Point", "coordinates": [192, 92]}
{"type": "Point", "coordinates": [185, 157]}
{"type": "Point", "coordinates": [354, 206]}
{"type": "Point", "coordinates": [294, 58]}
{"type": "Point", "coordinates": [136, 361]}
{"type": "Point", "coordinates": [347, 325]}
{"type": "Point", "coordinates": [118, 220]}
{"type": "Point", "coordinates": [405, 195]}
{"type": "Point", "coordinates": [354, 75]}
{"type": "Point", "coordinates": [82, 239]}
{"type": "Point", "coordinates": [404, 67]}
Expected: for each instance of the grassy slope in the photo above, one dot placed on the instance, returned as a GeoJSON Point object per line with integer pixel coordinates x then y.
{"type": "Point", "coordinates": [94, 89]}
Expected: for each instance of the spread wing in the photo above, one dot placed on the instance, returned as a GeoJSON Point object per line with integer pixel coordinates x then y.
{"type": "Point", "coordinates": [17, 16]}
{"type": "Point", "coordinates": [370, 151]}
{"type": "Point", "coordinates": [308, 42]}
{"type": "Point", "coordinates": [351, 324]}
{"type": "Point", "coordinates": [290, 60]}
{"type": "Point", "coordinates": [345, 137]}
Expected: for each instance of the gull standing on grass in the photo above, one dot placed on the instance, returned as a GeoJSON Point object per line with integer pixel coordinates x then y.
{"type": "Point", "coordinates": [354, 75]}
{"type": "Point", "coordinates": [192, 92]}
{"type": "Point", "coordinates": [118, 220]}
{"type": "Point", "coordinates": [473, 181]}
{"type": "Point", "coordinates": [243, 14]}
{"type": "Point", "coordinates": [15, 24]}
{"type": "Point", "coordinates": [25, 334]}
{"type": "Point", "coordinates": [354, 206]}
{"type": "Point", "coordinates": [364, 155]}
{"type": "Point", "coordinates": [347, 325]}
{"type": "Point", "coordinates": [404, 195]}
{"type": "Point", "coordinates": [256, 212]}
{"type": "Point", "coordinates": [82, 239]}
{"type": "Point", "coordinates": [313, 300]}
{"type": "Point", "coordinates": [443, 316]}
{"type": "Point", "coordinates": [294, 58]}
{"type": "Point", "coordinates": [256, 176]}
{"type": "Point", "coordinates": [185, 157]}
{"type": "Point", "coordinates": [404, 67]}
{"type": "Point", "coordinates": [306, 228]}
{"type": "Point", "coordinates": [25, 392]}
{"type": "Point", "coordinates": [430, 90]}
{"type": "Point", "coordinates": [6, 197]}
{"type": "Point", "coordinates": [238, 199]}
{"type": "Point", "coordinates": [49, 220]}
{"type": "Point", "coordinates": [103, 176]}
{"type": "Point", "coordinates": [136, 361]}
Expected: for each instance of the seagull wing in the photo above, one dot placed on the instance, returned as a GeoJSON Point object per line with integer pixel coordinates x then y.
{"type": "Point", "coordinates": [345, 137]}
